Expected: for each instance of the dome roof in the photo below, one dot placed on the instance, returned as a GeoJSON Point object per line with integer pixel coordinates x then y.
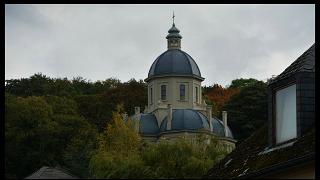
{"type": "Point", "coordinates": [148, 124]}
{"type": "Point", "coordinates": [174, 32]}
{"type": "Point", "coordinates": [218, 128]}
{"type": "Point", "coordinates": [186, 119]}
{"type": "Point", "coordinates": [174, 62]}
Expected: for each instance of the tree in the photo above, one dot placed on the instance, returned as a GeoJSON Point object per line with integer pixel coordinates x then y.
{"type": "Point", "coordinates": [45, 131]}
{"type": "Point", "coordinates": [218, 96]}
{"type": "Point", "coordinates": [28, 135]}
{"type": "Point", "coordinates": [247, 110]}
{"type": "Point", "coordinates": [97, 109]}
{"type": "Point", "coordinates": [184, 157]}
{"type": "Point", "coordinates": [242, 83]}
{"type": "Point", "coordinates": [117, 155]}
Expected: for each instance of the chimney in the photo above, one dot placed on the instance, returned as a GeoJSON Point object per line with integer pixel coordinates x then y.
{"type": "Point", "coordinates": [137, 110]}
{"type": "Point", "coordinates": [209, 115]}
{"type": "Point", "coordinates": [225, 124]}
{"type": "Point", "coordinates": [145, 109]}
{"type": "Point", "coordinates": [169, 117]}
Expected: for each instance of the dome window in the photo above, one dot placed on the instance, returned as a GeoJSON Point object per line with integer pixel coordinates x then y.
{"type": "Point", "coordinates": [196, 94]}
{"type": "Point", "coordinates": [182, 92]}
{"type": "Point", "coordinates": [163, 92]}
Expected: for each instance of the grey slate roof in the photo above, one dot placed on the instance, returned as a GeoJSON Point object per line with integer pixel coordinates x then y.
{"type": "Point", "coordinates": [51, 173]}
{"type": "Point", "coordinates": [186, 119]}
{"type": "Point", "coordinates": [253, 157]}
{"type": "Point", "coordinates": [305, 63]}
{"type": "Point", "coordinates": [174, 62]}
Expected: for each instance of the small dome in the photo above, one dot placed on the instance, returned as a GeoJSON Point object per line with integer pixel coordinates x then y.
{"type": "Point", "coordinates": [218, 128]}
{"type": "Point", "coordinates": [174, 32]}
{"type": "Point", "coordinates": [174, 62]}
{"type": "Point", "coordinates": [186, 119]}
{"type": "Point", "coordinates": [148, 124]}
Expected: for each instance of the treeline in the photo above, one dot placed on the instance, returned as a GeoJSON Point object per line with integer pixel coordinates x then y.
{"type": "Point", "coordinates": [59, 122]}
{"type": "Point", "coordinates": [245, 100]}
{"type": "Point", "coordinates": [95, 101]}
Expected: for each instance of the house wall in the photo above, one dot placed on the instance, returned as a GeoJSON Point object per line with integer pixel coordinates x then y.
{"type": "Point", "coordinates": [305, 101]}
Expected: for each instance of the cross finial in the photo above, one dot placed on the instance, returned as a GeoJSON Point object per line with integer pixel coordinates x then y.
{"type": "Point", "coordinates": [173, 17]}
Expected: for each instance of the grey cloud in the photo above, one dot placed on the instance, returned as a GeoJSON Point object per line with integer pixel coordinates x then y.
{"type": "Point", "coordinates": [102, 41]}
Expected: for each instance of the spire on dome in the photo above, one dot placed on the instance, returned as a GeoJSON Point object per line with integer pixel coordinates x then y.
{"type": "Point", "coordinates": [173, 18]}
{"type": "Point", "coordinates": [174, 38]}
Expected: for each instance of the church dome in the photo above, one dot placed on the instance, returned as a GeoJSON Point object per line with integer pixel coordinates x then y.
{"type": "Point", "coordinates": [186, 119]}
{"type": "Point", "coordinates": [174, 62]}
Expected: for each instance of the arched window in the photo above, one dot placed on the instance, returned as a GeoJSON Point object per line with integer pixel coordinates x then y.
{"type": "Point", "coordinates": [163, 92]}
{"type": "Point", "coordinates": [182, 92]}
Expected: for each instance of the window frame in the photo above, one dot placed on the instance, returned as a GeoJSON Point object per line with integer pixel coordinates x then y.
{"type": "Point", "coordinates": [196, 94]}
{"type": "Point", "coordinates": [274, 114]}
{"type": "Point", "coordinates": [165, 92]}
{"type": "Point", "coordinates": [151, 95]}
{"type": "Point", "coordinates": [184, 92]}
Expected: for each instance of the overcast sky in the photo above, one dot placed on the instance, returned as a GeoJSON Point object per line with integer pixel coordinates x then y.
{"type": "Point", "coordinates": [97, 42]}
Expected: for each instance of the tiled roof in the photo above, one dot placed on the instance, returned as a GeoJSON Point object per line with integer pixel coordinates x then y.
{"type": "Point", "coordinates": [305, 63]}
{"type": "Point", "coordinates": [51, 173]}
{"type": "Point", "coordinates": [253, 155]}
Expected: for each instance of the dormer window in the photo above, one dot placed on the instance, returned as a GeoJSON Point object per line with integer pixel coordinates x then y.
{"type": "Point", "coordinates": [285, 114]}
{"type": "Point", "coordinates": [291, 103]}
{"type": "Point", "coordinates": [163, 92]}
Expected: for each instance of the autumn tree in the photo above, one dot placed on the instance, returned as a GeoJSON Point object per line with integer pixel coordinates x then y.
{"type": "Point", "coordinates": [218, 96]}
{"type": "Point", "coordinates": [118, 152]}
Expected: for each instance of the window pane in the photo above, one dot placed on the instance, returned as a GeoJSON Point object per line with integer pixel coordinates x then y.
{"type": "Point", "coordinates": [286, 120]}
{"type": "Point", "coordinates": [151, 96]}
{"type": "Point", "coordinates": [197, 94]}
{"type": "Point", "coordinates": [163, 92]}
{"type": "Point", "coordinates": [182, 91]}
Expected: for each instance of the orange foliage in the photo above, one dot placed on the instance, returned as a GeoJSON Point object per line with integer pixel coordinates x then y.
{"type": "Point", "coordinates": [220, 95]}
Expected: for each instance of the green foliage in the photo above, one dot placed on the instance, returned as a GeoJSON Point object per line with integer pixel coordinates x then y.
{"type": "Point", "coordinates": [96, 109]}
{"type": "Point", "coordinates": [242, 83]}
{"type": "Point", "coordinates": [247, 110]}
{"type": "Point", "coordinates": [117, 156]}
{"type": "Point", "coordinates": [28, 131]}
{"type": "Point", "coordinates": [45, 131]}
{"type": "Point", "coordinates": [184, 157]}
